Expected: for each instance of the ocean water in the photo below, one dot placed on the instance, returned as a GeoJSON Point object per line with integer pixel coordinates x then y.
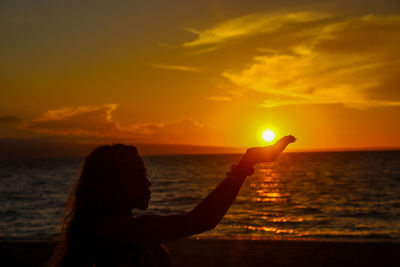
{"type": "Point", "coordinates": [324, 195]}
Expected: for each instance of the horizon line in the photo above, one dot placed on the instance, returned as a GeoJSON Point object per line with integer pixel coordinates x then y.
{"type": "Point", "coordinates": [40, 148]}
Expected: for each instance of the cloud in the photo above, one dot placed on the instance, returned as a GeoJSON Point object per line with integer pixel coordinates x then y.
{"type": "Point", "coordinates": [184, 130]}
{"type": "Point", "coordinates": [176, 67]}
{"type": "Point", "coordinates": [9, 120]}
{"type": "Point", "coordinates": [98, 122]}
{"type": "Point", "coordinates": [250, 25]}
{"type": "Point", "coordinates": [353, 62]}
{"type": "Point", "coordinates": [203, 51]}
{"type": "Point", "coordinates": [219, 98]}
{"type": "Point", "coordinates": [81, 120]}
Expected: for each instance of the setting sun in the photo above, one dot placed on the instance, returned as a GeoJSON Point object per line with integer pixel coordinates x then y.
{"type": "Point", "coordinates": [268, 135]}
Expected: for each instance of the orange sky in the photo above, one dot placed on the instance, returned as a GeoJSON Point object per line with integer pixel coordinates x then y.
{"type": "Point", "coordinates": [213, 73]}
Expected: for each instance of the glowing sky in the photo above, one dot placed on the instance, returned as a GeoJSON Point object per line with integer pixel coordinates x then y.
{"type": "Point", "coordinates": [212, 73]}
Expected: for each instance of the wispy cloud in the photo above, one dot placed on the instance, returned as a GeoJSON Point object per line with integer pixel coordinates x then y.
{"type": "Point", "coordinates": [219, 98]}
{"type": "Point", "coordinates": [203, 51]}
{"type": "Point", "coordinates": [352, 62]}
{"type": "Point", "coordinates": [77, 120]}
{"type": "Point", "coordinates": [98, 122]}
{"type": "Point", "coordinates": [250, 25]}
{"type": "Point", "coordinates": [176, 67]}
{"type": "Point", "coordinates": [71, 111]}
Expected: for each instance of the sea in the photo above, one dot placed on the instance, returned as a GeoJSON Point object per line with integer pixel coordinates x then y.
{"type": "Point", "coordinates": [314, 195]}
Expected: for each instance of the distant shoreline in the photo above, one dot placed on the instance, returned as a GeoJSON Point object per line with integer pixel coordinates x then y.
{"type": "Point", "coordinates": [38, 148]}
{"type": "Point", "coordinates": [18, 149]}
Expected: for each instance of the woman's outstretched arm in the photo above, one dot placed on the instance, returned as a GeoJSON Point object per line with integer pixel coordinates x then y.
{"type": "Point", "coordinates": [209, 211]}
{"type": "Point", "coordinates": [205, 216]}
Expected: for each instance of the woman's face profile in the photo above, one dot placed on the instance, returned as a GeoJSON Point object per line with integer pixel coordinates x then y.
{"type": "Point", "coordinates": [135, 186]}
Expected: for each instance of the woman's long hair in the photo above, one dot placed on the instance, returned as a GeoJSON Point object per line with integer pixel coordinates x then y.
{"type": "Point", "coordinates": [91, 200]}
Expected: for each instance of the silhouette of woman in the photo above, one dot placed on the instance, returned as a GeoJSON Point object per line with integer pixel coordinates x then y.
{"type": "Point", "coordinates": [98, 227]}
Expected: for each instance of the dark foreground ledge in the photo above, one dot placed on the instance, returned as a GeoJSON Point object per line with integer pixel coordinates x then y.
{"type": "Point", "coordinates": [226, 253]}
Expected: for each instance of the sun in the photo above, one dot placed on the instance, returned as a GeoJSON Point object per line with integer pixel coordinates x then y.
{"type": "Point", "coordinates": [268, 135]}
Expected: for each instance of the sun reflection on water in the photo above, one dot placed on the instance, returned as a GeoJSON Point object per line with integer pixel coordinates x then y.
{"type": "Point", "coordinates": [267, 229]}
{"type": "Point", "coordinates": [269, 188]}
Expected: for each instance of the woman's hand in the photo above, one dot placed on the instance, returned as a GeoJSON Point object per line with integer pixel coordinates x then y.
{"type": "Point", "coordinates": [257, 155]}
{"type": "Point", "coordinates": [269, 153]}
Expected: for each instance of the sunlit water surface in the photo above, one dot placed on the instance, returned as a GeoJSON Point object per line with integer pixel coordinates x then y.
{"type": "Point", "coordinates": [331, 195]}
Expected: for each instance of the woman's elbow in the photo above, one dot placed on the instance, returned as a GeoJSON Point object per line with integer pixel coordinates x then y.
{"type": "Point", "coordinates": [202, 224]}
{"type": "Point", "coordinates": [198, 229]}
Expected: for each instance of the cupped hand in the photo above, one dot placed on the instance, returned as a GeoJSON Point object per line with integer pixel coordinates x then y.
{"type": "Point", "coordinates": [257, 155]}
{"type": "Point", "coordinates": [268, 153]}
